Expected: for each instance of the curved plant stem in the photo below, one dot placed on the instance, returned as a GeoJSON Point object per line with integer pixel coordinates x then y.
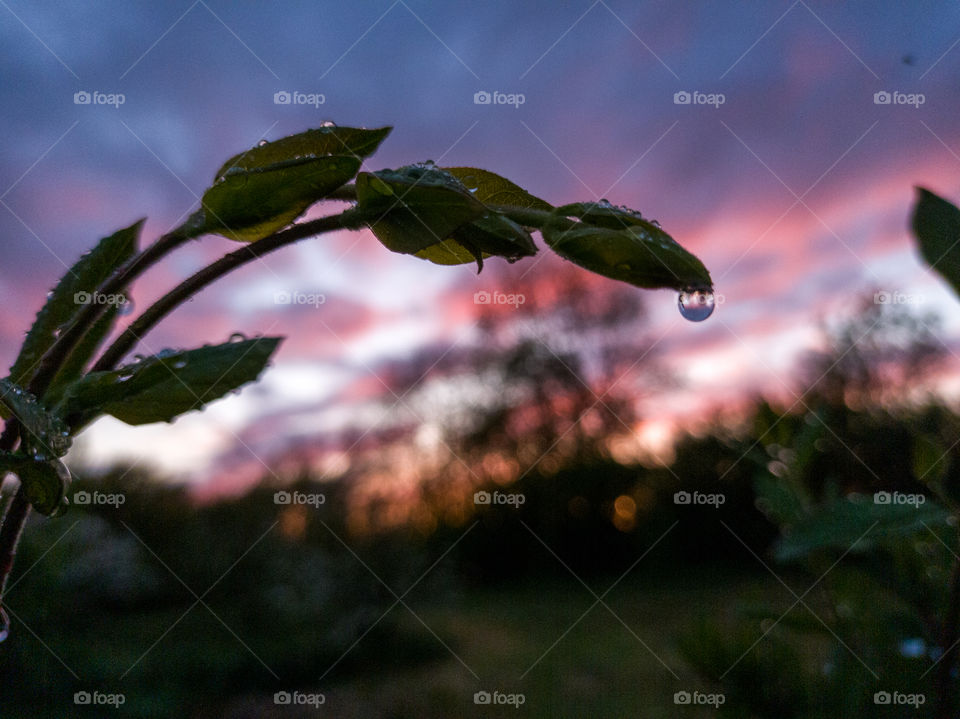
{"type": "Point", "coordinates": [349, 219]}
{"type": "Point", "coordinates": [54, 357]}
{"type": "Point", "coordinates": [18, 509]}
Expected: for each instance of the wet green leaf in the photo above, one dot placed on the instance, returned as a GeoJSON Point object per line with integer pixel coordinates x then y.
{"type": "Point", "coordinates": [168, 384]}
{"type": "Point", "coordinates": [319, 142]}
{"type": "Point", "coordinates": [74, 290]}
{"type": "Point", "coordinates": [45, 484]}
{"type": "Point", "coordinates": [415, 207]}
{"type": "Point", "coordinates": [43, 433]}
{"type": "Point", "coordinates": [640, 253]}
{"type": "Point", "coordinates": [248, 205]}
{"type": "Point", "coordinates": [265, 188]}
{"type": "Point", "coordinates": [492, 189]}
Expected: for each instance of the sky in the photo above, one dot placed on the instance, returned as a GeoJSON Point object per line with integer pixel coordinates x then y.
{"type": "Point", "coordinates": [787, 173]}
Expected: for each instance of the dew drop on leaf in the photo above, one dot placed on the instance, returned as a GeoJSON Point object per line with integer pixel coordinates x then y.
{"type": "Point", "coordinates": [238, 337]}
{"type": "Point", "coordinates": [262, 143]}
{"type": "Point", "coordinates": [695, 304]}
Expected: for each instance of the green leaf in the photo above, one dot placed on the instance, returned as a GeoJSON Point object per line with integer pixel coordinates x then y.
{"type": "Point", "coordinates": [856, 524]}
{"type": "Point", "coordinates": [248, 205]}
{"type": "Point", "coordinates": [265, 188]}
{"type": "Point", "coordinates": [43, 435]}
{"type": "Point", "coordinates": [168, 384]}
{"type": "Point", "coordinates": [492, 234]}
{"type": "Point", "coordinates": [322, 141]}
{"type": "Point", "coordinates": [66, 300]}
{"type": "Point", "coordinates": [638, 252]}
{"type": "Point", "coordinates": [415, 207]}
{"type": "Point", "coordinates": [45, 484]}
{"type": "Point", "coordinates": [936, 224]}
{"type": "Point", "coordinates": [77, 361]}
{"type": "Point", "coordinates": [491, 189]}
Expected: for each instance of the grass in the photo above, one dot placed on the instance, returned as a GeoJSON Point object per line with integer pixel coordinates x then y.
{"type": "Point", "coordinates": [568, 656]}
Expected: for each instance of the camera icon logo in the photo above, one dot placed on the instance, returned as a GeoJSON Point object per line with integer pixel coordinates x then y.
{"type": "Point", "coordinates": [881, 98]}
{"type": "Point", "coordinates": [282, 698]}
{"type": "Point", "coordinates": [82, 698]}
{"type": "Point", "coordinates": [481, 497]}
{"type": "Point", "coordinates": [81, 298]}
{"type": "Point", "coordinates": [481, 298]}
{"type": "Point", "coordinates": [81, 98]}
{"type": "Point", "coordinates": [681, 98]}
{"type": "Point", "coordinates": [281, 298]}
{"type": "Point", "coordinates": [881, 298]}
{"type": "Point", "coordinates": [281, 98]}
{"type": "Point", "coordinates": [282, 497]}
{"type": "Point", "coordinates": [681, 498]}
{"type": "Point", "coordinates": [482, 698]}
{"type": "Point", "coordinates": [881, 698]}
{"type": "Point", "coordinates": [681, 698]}
{"type": "Point", "coordinates": [482, 98]}
{"type": "Point", "coordinates": [882, 498]}
{"type": "Point", "coordinates": [81, 497]}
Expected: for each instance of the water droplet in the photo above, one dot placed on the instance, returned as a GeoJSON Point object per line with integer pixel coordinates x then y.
{"type": "Point", "coordinates": [126, 308]}
{"type": "Point", "coordinates": [328, 123]}
{"type": "Point", "coordinates": [695, 304]}
{"type": "Point", "coordinates": [179, 364]}
{"type": "Point", "coordinates": [262, 143]}
{"type": "Point", "coordinates": [4, 625]}
{"type": "Point", "coordinates": [655, 224]}
{"type": "Point", "coordinates": [238, 337]}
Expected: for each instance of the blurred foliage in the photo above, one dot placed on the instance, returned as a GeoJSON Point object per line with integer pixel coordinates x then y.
{"type": "Point", "coordinates": [854, 596]}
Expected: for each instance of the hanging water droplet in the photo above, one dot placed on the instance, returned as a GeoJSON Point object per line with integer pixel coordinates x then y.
{"type": "Point", "coordinates": [4, 624]}
{"type": "Point", "coordinates": [238, 337]}
{"type": "Point", "coordinates": [262, 143]}
{"type": "Point", "coordinates": [126, 308]}
{"type": "Point", "coordinates": [696, 304]}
